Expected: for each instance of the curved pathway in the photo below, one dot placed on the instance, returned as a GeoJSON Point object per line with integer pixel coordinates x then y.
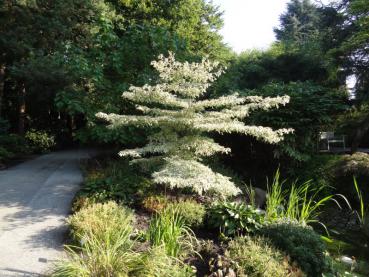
{"type": "Point", "coordinates": [35, 199]}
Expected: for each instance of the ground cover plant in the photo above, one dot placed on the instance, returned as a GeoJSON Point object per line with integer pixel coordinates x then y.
{"type": "Point", "coordinates": [256, 258]}
{"type": "Point", "coordinates": [301, 244]}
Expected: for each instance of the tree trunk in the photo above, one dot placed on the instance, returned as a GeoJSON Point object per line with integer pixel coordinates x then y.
{"type": "Point", "coordinates": [2, 85]}
{"type": "Point", "coordinates": [359, 134]}
{"type": "Point", "coordinates": [22, 110]}
{"type": "Point", "coordinates": [71, 125]}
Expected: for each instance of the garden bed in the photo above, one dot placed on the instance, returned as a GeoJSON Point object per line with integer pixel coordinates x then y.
{"type": "Point", "coordinates": [173, 233]}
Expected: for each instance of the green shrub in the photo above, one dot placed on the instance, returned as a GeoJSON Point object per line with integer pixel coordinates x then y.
{"type": "Point", "coordinates": [99, 219]}
{"type": "Point", "coordinates": [335, 173]}
{"type": "Point", "coordinates": [316, 169]}
{"type": "Point", "coordinates": [256, 258]}
{"type": "Point", "coordinates": [40, 141]}
{"type": "Point", "coordinates": [168, 229]}
{"type": "Point", "coordinates": [355, 164]}
{"type": "Point", "coordinates": [234, 218]}
{"type": "Point", "coordinates": [118, 181]}
{"type": "Point", "coordinates": [5, 154]}
{"type": "Point", "coordinates": [343, 170]}
{"type": "Point", "coordinates": [301, 244]}
{"type": "Point", "coordinates": [193, 213]}
{"type": "Point", "coordinates": [14, 143]}
{"type": "Point", "coordinates": [83, 201]}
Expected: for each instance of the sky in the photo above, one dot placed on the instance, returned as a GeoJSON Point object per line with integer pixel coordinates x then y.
{"type": "Point", "coordinates": [249, 23]}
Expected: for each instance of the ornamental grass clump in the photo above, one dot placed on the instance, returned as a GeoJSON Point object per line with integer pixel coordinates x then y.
{"type": "Point", "coordinates": [99, 220]}
{"type": "Point", "coordinates": [301, 203]}
{"type": "Point", "coordinates": [106, 249]}
{"type": "Point", "coordinates": [176, 110]}
{"type": "Point", "coordinates": [168, 229]}
{"type": "Point", "coordinates": [103, 255]}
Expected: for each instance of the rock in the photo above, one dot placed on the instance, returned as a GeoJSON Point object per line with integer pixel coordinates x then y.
{"type": "Point", "coordinates": [348, 261]}
{"type": "Point", "coordinates": [219, 273]}
{"type": "Point", "coordinates": [231, 273]}
{"type": "Point", "coordinates": [260, 197]}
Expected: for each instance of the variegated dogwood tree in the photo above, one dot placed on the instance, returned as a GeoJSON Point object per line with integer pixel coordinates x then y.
{"type": "Point", "coordinates": [174, 106]}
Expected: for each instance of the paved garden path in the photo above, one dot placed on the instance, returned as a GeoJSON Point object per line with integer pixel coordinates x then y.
{"type": "Point", "coordinates": [35, 199]}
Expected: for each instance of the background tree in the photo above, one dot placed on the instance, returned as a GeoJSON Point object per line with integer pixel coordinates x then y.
{"type": "Point", "coordinates": [33, 35]}
{"type": "Point", "coordinates": [80, 55]}
{"type": "Point", "coordinates": [299, 25]}
{"type": "Point", "coordinates": [353, 56]}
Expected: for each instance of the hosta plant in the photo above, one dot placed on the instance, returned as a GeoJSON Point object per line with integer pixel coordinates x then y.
{"type": "Point", "coordinates": [234, 218]}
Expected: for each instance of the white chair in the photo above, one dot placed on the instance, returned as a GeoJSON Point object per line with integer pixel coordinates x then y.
{"type": "Point", "coordinates": [330, 138]}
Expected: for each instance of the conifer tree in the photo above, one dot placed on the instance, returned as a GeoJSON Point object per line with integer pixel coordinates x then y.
{"type": "Point", "coordinates": [183, 120]}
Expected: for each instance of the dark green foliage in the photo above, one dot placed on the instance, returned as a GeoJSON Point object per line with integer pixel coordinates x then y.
{"type": "Point", "coordinates": [301, 25]}
{"type": "Point", "coordinates": [4, 126]}
{"type": "Point", "coordinates": [254, 69]}
{"type": "Point", "coordinates": [302, 244]}
{"type": "Point", "coordinates": [65, 60]}
{"type": "Point", "coordinates": [5, 154]}
{"type": "Point", "coordinates": [317, 170]}
{"type": "Point", "coordinates": [13, 145]}
{"type": "Point", "coordinates": [234, 218]}
{"type": "Point", "coordinates": [347, 167]}
{"type": "Point", "coordinates": [335, 173]}
{"type": "Point", "coordinates": [118, 181]}
{"type": "Point", "coordinates": [338, 35]}
{"type": "Point", "coordinates": [311, 108]}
